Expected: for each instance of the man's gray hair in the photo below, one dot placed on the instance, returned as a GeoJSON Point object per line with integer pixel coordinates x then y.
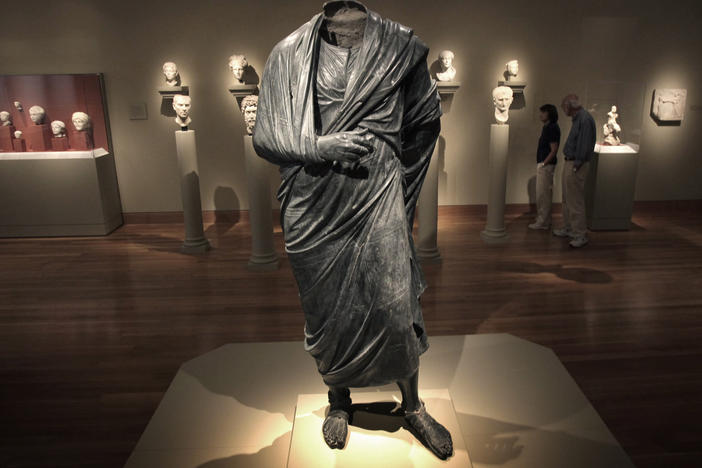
{"type": "Point", "coordinates": [572, 101]}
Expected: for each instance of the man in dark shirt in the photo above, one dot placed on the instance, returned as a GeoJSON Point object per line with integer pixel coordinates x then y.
{"type": "Point", "coordinates": [545, 165]}
{"type": "Point", "coordinates": [578, 150]}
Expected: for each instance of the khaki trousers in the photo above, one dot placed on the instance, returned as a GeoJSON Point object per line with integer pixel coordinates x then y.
{"type": "Point", "coordinates": [574, 217]}
{"type": "Point", "coordinates": [544, 193]}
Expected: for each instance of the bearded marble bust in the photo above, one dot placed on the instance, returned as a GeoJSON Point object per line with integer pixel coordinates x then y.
{"type": "Point", "coordinates": [37, 114]}
{"type": "Point", "coordinates": [249, 106]}
{"type": "Point", "coordinates": [447, 73]}
{"type": "Point", "coordinates": [237, 65]}
{"type": "Point", "coordinates": [81, 121]}
{"type": "Point", "coordinates": [170, 72]}
{"type": "Point", "coordinates": [181, 105]}
{"type": "Point", "coordinates": [58, 128]}
{"type": "Point", "coordinates": [502, 98]}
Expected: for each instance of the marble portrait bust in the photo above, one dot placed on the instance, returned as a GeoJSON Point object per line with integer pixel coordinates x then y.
{"type": "Point", "coordinates": [58, 128]}
{"type": "Point", "coordinates": [18, 106]}
{"type": "Point", "coordinates": [447, 73]}
{"type": "Point", "coordinates": [237, 65]}
{"type": "Point", "coordinates": [5, 119]}
{"type": "Point", "coordinates": [502, 98]}
{"type": "Point", "coordinates": [170, 72]}
{"type": "Point", "coordinates": [37, 114]}
{"type": "Point", "coordinates": [81, 121]}
{"type": "Point", "coordinates": [18, 134]}
{"type": "Point", "coordinates": [181, 106]}
{"type": "Point", "coordinates": [511, 70]}
{"type": "Point", "coordinates": [249, 106]}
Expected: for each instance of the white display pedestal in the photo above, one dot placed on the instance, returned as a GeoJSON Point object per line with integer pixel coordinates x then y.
{"type": "Point", "coordinates": [428, 203]}
{"type": "Point", "coordinates": [195, 241]}
{"type": "Point", "coordinates": [67, 193]}
{"type": "Point", "coordinates": [263, 256]}
{"type": "Point", "coordinates": [516, 405]}
{"type": "Point", "coordinates": [499, 148]}
{"type": "Point", "coordinates": [610, 187]}
{"type": "Point", "coordinates": [376, 439]}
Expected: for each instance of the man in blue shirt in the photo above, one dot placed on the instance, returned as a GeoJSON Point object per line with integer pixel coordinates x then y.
{"type": "Point", "coordinates": [578, 150]}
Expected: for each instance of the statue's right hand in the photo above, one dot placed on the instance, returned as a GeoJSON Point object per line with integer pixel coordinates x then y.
{"type": "Point", "coordinates": [346, 147]}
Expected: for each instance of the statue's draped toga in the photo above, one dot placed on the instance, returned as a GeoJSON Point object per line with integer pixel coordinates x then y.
{"type": "Point", "coordinates": [347, 227]}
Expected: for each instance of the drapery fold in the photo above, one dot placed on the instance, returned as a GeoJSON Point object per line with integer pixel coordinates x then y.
{"type": "Point", "coordinates": [348, 227]}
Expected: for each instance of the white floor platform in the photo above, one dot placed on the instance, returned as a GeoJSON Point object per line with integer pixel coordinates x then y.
{"type": "Point", "coordinates": [515, 403]}
{"type": "Point", "coordinates": [376, 436]}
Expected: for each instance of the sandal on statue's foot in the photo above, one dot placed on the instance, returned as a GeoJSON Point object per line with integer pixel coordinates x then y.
{"type": "Point", "coordinates": [433, 434]}
{"type": "Point", "coordinates": [336, 429]}
{"type": "Point", "coordinates": [336, 424]}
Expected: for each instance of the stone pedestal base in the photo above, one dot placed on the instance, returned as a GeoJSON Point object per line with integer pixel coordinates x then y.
{"type": "Point", "coordinates": [38, 137]}
{"type": "Point", "coordinates": [263, 256]}
{"type": "Point", "coordinates": [6, 136]}
{"type": "Point", "coordinates": [499, 144]}
{"type": "Point", "coordinates": [195, 241]}
{"type": "Point", "coordinates": [19, 145]}
{"type": "Point", "coordinates": [81, 141]}
{"type": "Point", "coordinates": [377, 436]}
{"type": "Point", "coordinates": [59, 144]}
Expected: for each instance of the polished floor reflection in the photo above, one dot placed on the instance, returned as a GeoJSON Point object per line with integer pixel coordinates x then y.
{"type": "Point", "coordinates": [92, 330]}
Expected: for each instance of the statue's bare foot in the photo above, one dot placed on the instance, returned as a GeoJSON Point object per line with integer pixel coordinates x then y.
{"type": "Point", "coordinates": [436, 436]}
{"type": "Point", "coordinates": [336, 428]}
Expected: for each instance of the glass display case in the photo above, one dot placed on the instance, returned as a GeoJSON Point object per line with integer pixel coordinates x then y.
{"type": "Point", "coordinates": [628, 98]}
{"type": "Point", "coordinates": [57, 170]}
{"type": "Point", "coordinates": [49, 113]}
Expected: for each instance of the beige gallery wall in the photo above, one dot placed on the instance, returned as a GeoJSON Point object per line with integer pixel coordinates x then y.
{"type": "Point", "coordinates": [562, 46]}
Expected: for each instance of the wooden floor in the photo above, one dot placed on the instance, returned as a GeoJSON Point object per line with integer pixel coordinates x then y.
{"type": "Point", "coordinates": [92, 330]}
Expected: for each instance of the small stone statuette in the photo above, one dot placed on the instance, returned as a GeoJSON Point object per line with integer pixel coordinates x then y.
{"type": "Point", "coordinates": [447, 73]}
{"type": "Point", "coordinates": [181, 105]}
{"type": "Point", "coordinates": [237, 65]}
{"type": "Point", "coordinates": [37, 114]}
{"type": "Point", "coordinates": [511, 70]}
{"type": "Point", "coordinates": [612, 129]}
{"type": "Point", "coordinates": [58, 128]}
{"type": "Point", "coordinates": [502, 98]}
{"type": "Point", "coordinates": [5, 119]}
{"type": "Point", "coordinates": [170, 72]}
{"type": "Point", "coordinates": [249, 106]}
{"type": "Point", "coordinates": [18, 106]}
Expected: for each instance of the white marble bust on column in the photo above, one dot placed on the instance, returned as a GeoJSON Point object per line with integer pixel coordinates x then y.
{"type": "Point", "coordinates": [447, 72]}
{"type": "Point", "coordinates": [249, 106]}
{"type": "Point", "coordinates": [502, 98]}
{"type": "Point", "coordinates": [182, 105]}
